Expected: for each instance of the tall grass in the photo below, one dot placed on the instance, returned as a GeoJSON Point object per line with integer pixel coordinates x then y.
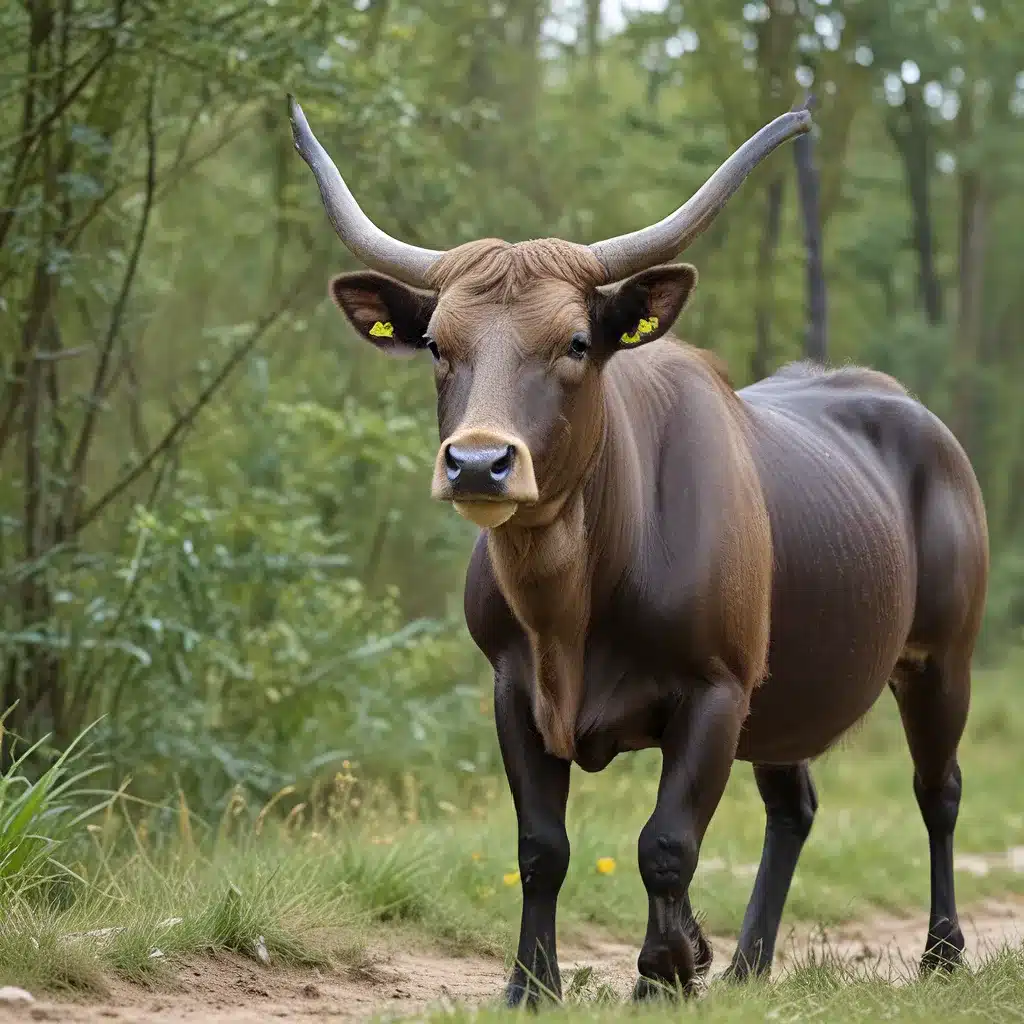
{"type": "Point", "coordinates": [36, 815]}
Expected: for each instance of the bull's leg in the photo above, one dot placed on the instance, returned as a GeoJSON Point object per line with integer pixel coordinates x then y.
{"type": "Point", "coordinates": [540, 789]}
{"type": "Point", "coordinates": [790, 803]}
{"type": "Point", "coordinates": [698, 747]}
{"type": "Point", "coordinates": [933, 701]}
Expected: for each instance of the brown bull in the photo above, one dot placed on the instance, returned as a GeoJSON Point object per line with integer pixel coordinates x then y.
{"type": "Point", "coordinates": [667, 562]}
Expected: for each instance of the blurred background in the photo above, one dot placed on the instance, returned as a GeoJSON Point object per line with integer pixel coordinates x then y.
{"type": "Point", "coordinates": [215, 523]}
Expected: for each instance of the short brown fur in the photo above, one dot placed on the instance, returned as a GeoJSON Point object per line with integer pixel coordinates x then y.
{"type": "Point", "coordinates": [657, 544]}
{"type": "Point", "coordinates": [674, 544]}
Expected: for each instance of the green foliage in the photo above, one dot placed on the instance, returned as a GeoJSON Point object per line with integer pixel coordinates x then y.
{"type": "Point", "coordinates": [215, 528]}
{"type": "Point", "coordinates": [1004, 621]}
{"type": "Point", "coordinates": [240, 647]}
{"type": "Point", "coordinates": [36, 815]}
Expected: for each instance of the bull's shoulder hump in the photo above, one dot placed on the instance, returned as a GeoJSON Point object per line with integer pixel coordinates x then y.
{"type": "Point", "coordinates": [806, 376]}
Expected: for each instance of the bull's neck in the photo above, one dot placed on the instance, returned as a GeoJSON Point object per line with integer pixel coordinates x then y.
{"type": "Point", "coordinates": [556, 564]}
{"type": "Point", "coordinates": [598, 514]}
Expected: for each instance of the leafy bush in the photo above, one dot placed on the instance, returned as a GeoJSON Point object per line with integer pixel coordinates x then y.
{"type": "Point", "coordinates": [1004, 610]}
{"type": "Point", "coordinates": [230, 641]}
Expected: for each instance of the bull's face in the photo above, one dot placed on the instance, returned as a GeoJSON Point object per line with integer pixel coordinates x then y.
{"type": "Point", "coordinates": [518, 337]}
{"type": "Point", "coordinates": [519, 334]}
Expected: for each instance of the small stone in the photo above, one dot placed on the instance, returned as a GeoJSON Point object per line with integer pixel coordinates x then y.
{"type": "Point", "coordinates": [972, 864]}
{"type": "Point", "coordinates": [710, 864]}
{"type": "Point", "coordinates": [744, 870]}
{"type": "Point", "coordinates": [13, 994]}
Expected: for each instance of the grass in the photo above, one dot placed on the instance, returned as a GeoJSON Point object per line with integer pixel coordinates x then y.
{"type": "Point", "coordinates": [824, 991]}
{"type": "Point", "coordinates": [35, 814]}
{"type": "Point", "coordinates": [315, 895]}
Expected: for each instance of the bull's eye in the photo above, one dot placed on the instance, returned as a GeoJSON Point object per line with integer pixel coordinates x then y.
{"type": "Point", "coordinates": [579, 345]}
{"type": "Point", "coordinates": [432, 346]}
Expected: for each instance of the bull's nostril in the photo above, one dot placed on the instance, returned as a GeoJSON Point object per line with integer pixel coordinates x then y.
{"type": "Point", "coordinates": [452, 464]}
{"type": "Point", "coordinates": [501, 467]}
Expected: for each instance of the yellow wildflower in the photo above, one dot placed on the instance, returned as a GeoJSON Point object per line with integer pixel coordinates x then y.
{"type": "Point", "coordinates": [605, 865]}
{"type": "Point", "coordinates": [475, 856]}
{"type": "Point", "coordinates": [511, 878]}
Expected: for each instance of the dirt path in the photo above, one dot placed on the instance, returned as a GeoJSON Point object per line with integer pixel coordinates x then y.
{"type": "Point", "coordinates": [234, 990]}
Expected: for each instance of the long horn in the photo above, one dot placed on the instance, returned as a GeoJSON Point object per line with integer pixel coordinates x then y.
{"type": "Point", "coordinates": [371, 246]}
{"type": "Point", "coordinates": [662, 242]}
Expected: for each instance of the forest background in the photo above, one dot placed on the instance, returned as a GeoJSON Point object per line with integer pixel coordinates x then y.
{"type": "Point", "coordinates": [216, 535]}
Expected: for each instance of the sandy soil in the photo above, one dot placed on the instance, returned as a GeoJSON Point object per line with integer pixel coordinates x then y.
{"type": "Point", "coordinates": [234, 989]}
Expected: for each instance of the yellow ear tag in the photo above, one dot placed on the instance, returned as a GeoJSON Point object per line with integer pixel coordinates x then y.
{"type": "Point", "coordinates": [379, 330]}
{"type": "Point", "coordinates": [646, 326]}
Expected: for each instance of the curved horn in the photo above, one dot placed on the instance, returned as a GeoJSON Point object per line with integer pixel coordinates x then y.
{"type": "Point", "coordinates": [662, 242]}
{"type": "Point", "coordinates": [371, 246]}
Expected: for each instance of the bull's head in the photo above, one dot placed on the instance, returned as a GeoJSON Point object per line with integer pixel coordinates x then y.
{"type": "Point", "coordinates": [519, 334]}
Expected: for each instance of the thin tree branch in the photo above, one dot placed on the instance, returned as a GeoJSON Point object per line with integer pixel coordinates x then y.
{"type": "Point", "coordinates": [85, 685]}
{"type": "Point", "coordinates": [116, 319]}
{"type": "Point", "coordinates": [185, 420]}
{"type": "Point", "coordinates": [32, 137]}
{"type": "Point", "coordinates": [40, 26]}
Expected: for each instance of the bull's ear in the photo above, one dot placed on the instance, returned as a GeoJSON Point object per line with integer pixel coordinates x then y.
{"type": "Point", "coordinates": [384, 311]}
{"type": "Point", "coordinates": [642, 307]}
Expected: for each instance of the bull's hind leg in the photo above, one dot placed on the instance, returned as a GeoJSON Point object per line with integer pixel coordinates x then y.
{"type": "Point", "coordinates": [790, 802]}
{"type": "Point", "coordinates": [933, 698]}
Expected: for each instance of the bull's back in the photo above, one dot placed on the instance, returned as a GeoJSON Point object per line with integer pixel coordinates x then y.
{"type": "Point", "coordinates": [866, 494]}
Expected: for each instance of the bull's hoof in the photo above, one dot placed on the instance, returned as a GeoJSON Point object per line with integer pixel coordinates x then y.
{"type": "Point", "coordinates": [531, 993]}
{"type": "Point", "coordinates": [749, 963]}
{"type": "Point", "coordinates": [741, 970]}
{"type": "Point", "coordinates": [666, 969]}
{"type": "Point", "coordinates": [517, 994]}
{"type": "Point", "coordinates": [646, 989]}
{"type": "Point", "coordinates": [944, 949]}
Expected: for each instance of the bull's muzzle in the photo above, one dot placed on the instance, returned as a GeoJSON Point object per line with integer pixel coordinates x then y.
{"type": "Point", "coordinates": [485, 475]}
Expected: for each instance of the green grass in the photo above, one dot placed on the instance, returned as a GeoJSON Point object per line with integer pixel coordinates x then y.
{"type": "Point", "coordinates": [36, 813]}
{"type": "Point", "coordinates": [826, 992]}
{"type": "Point", "coordinates": [318, 894]}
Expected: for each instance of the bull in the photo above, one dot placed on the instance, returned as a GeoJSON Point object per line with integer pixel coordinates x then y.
{"type": "Point", "coordinates": [666, 561]}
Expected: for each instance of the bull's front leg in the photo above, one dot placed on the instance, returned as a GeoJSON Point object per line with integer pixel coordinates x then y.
{"type": "Point", "coordinates": [540, 788]}
{"type": "Point", "coordinates": [698, 748]}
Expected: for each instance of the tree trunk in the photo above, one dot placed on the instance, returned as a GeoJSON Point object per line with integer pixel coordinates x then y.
{"type": "Point", "coordinates": [591, 28]}
{"type": "Point", "coordinates": [971, 237]}
{"type": "Point", "coordinates": [765, 296]}
{"type": "Point", "coordinates": [910, 132]}
{"type": "Point", "coordinates": [970, 283]}
{"type": "Point", "coordinates": [816, 338]}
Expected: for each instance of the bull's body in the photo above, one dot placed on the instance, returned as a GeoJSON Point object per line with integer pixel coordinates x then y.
{"type": "Point", "coordinates": [879, 558]}
{"type": "Point", "coordinates": [872, 506]}
{"type": "Point", "coordinates": [668, 562]}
